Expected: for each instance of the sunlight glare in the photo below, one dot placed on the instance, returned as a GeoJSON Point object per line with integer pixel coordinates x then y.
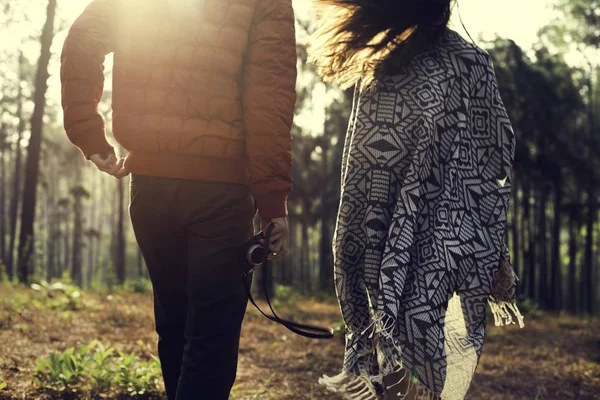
{"type": "Point", "coordinates": [515, 19]}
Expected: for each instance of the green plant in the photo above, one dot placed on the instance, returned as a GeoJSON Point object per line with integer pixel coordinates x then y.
{"type": "Point", "coordinates": [100, 369]}
{"type": "Point", "coordinates": [15, 302]}
{"type": "Point", "coordinates": [63, 296]}
{"type": "Point", "coordinates": [140, 285]}
{"type": "Point", "coordinates": [61, 369]}
{"type": "Point", "coordinates": [101, 375]}
{"type": "Point", "coordinates": [137, 377]}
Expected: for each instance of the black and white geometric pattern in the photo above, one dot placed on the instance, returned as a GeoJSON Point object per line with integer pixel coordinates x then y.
{"type": "Point", "coordinates": [426, 182]}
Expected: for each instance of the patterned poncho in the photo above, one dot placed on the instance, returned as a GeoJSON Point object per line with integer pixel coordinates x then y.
{"type": "Point", "coordinates": [419, 244]}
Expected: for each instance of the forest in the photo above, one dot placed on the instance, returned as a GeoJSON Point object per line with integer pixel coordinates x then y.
{"type": "Point", "coordinates": [66, 239]}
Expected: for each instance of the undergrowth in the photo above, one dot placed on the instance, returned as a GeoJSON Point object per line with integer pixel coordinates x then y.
{"type": "Point", "coordinates": [98, 369]}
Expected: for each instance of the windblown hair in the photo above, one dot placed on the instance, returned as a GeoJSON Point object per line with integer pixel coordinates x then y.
{"type": "Point", "coordinates": [356, 38]}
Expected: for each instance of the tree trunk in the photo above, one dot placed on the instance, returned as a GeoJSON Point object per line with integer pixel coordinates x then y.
{"type": "Point", "coordinates": [92, 257]}
{"type": "Point", "coordinates": [66, 264]}
{"type": "Point", "coordinates": [297, 255]}
{"type": "Point", "coordinates": [520, 265]}
{"type": "Point", "coordinates": [78, 192]}
{"type": "Point", "coordinates": [13, 211]}
{"type": "Point", "coordinates": [572, 279]}
{"type": "Point", "coordinates": [291, 259]}
{"type": "Point", "coordinates": [586, 280]}
{"type": "Point", "coordinates": [16, 191]}
{"type": "Point", "coordinates": [543, 248]}
{"type": "Point", "coordinates": [76, 271]}
{"type": "Point", "coordinates": [93, 234]}
{"type": "Point", "coordinates": [300, 253]}
{"type": "Point", "coordinates": [53, 232]}
{"type": "Point", "coordinates": [556, 277]}
{"type": "Point", "coordinates": [529, 256]}
{"type": "Point", "coordinates": [26, 238]}
{"type": "Point", "coordinates": [102, 262]}
{"type": "Point", "coordinates": [305, 284]}
{"type": "Point", "coordinates": [59, 251]}
{"type": "Point", "coordinates": [120, 250]}
{"type": "Point", "coordinates": [515, 228]}
{"type": "Point", "coordinates": [326, 257]}
{"type": "Point", "coordinates": [3, 165]}
{"type": "Point", "coordinates": [56, 243]}
{"type": "Point", "coordinates": [114, 218]}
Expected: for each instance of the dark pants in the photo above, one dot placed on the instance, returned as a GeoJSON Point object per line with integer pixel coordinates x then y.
{"type": "Point", "coordinates": [190, 233]}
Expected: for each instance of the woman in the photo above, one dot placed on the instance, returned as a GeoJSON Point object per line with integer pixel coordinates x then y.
{"type": "Point", "coordinates": [426, 181]}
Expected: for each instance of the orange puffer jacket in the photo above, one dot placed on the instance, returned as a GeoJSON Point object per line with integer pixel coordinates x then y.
{"type": "Point", "coordinates": [202, 89]}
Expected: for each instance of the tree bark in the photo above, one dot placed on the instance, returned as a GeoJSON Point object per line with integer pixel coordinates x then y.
{"type": "Point", "coordinates": [53, 231]}
{"type": "Point", "coordinates": [574, 229]}
{"type": "Point", "coordinates": [297, 271]}
{"type": "Point", "coordinates": [66, 263]}
{"type": "Point", "coordinates": [572, 282]}
{"type": "Point", "coordinates": [586, 280]}
{"type": "Point", "coordinates": [556, 276]}
{"type": "Point", "coordinates": [120, 243]}
{"type": "Point", "coordinates": [521, 262]}
{"type": "Point", "coordinates": [91, 233]}
{"type": "Point", "coordinates": [76, 271]}
{"type": "Point", "coordinates": [326, 256]}
{"type": "Point", "coordinates": [26, 238]}
{"type": "Point", "coordinates": [16, 190]}
{"type": "Point", "coordinates": [306, 284]}
{"type": "Point", "coordinates": [3, 165]}
{"type": "Point", "coordinates": [515, 228]}
{"type": "Point", "coordinates": [529, 267]}
{"type": "Point", "coordinates": [543, 247]}
{"type": "Point", "coordinates": [291, 259]}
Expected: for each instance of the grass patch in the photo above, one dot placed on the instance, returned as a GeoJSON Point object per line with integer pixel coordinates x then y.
{"type": "Point", "coordinates": [98, 369]}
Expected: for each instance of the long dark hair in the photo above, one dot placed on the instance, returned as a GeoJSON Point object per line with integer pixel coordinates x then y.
{"type": "Point", "coordinates": [356, 38]}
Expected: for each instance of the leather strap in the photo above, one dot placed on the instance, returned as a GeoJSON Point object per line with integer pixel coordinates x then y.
{"type": "Point", "coordinates": [309, 331]}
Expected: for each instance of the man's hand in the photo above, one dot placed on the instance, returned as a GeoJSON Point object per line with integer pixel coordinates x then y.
{"type": "Point", "coordinates": [110, 165]}
{"type": "Point", "coordinates": [279, 237]}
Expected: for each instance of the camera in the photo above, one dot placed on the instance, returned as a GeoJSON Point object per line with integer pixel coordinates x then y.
{"type": "Point", "coordinates": [255, 252]}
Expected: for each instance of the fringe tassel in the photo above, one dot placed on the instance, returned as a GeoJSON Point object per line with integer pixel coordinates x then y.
{"type": "Point", "coordinates": [414, 390]}
{"type": "Point", "coordinates": [361, 386]}
{"type": "Point", "coordinates": [350, 387]}
{"type": "Point", "coordinates": [506, 313]}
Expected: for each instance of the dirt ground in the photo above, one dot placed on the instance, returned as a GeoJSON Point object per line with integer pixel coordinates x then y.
{"type": "Point", "coordinates": [554, 357]}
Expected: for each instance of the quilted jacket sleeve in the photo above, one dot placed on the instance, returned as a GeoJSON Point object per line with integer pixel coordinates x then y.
{"type": "Point", "coordinates": [269, 97]}
{"type": "Point", "coordinates": [90, 39]}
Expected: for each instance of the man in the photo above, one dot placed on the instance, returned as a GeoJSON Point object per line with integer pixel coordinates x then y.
{"type": "Point", "coordinates": [203, 101]}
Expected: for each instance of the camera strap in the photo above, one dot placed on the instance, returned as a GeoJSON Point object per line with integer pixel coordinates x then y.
{"type": "Point", "coordinates": [309, 331]}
